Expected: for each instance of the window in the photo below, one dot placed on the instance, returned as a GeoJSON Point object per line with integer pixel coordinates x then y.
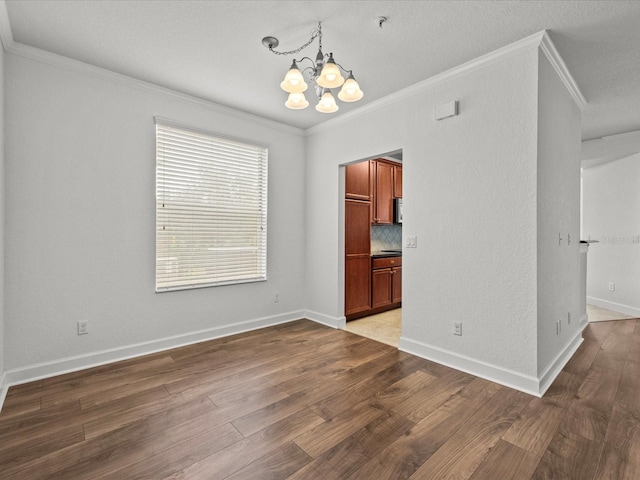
{"type": "Point", "coordinates": [211, 209]}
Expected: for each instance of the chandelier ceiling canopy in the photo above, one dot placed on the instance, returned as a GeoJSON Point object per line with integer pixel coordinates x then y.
{"type": "Point", "coordinates": [323, 72]}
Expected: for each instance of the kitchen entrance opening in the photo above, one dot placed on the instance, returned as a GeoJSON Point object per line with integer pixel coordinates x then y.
{"type": "Point", "coordinates": [373, 248]}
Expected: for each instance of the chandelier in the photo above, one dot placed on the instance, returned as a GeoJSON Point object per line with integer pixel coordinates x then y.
{"type": "Point", "coordinates": [324, 73]}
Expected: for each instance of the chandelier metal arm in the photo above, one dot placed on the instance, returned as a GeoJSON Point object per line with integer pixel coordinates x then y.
{"type": "Point", "coordinates": [324, 73]}
{"type": "Point", "coordinates": [346, 70]}
{"type": "Point", "coordinates": [272, 42]}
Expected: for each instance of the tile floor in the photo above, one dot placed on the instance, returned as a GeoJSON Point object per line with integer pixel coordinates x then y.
{"type": "Point", "coordinates": [599, 314]}
{"type": "Point", "coordinates": [386, 327]}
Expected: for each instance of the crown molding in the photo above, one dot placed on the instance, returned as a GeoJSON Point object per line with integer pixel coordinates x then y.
{"type": "Point", "coordinates": [549, 49]}
{"type": "Point", "coordinates": [537, 40]}
{"type": "Point", "coordinates": [49, 58]}
{"type": "Point", "coordinates": [527, 43]}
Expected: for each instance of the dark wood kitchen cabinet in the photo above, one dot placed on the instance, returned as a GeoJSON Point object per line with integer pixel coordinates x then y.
{"type": "Point", "coordinates": [357, 257]}
{"type": "Point", "coordinates": [396, 285]}
{"type": "Point", "coordinates": [383, 192]}
{"type": "Point", "coordinates": [386, 282]}
{"type": "Point", "coordinates": [357, 185]}
{"type": "Point", "coordinates": [397, 181]}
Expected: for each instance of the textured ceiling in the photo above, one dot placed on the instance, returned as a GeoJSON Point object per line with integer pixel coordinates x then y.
{"type": "Point", "coordinates": [213, 49]}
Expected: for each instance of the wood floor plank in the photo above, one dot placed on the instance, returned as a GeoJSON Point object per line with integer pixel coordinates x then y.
{"type": "Point", "coordinates": [13, 409]}
{"type": "Point", "coordinates": [461, 454]}
{"type": "Point", "coordinates": [404, 388]}
{"type": "Point", "coordinates": [175, 458]}
{"type": "Point", "coordinates": [569, 456]}
{"type": "Point", "coordinates": [230, 460]}
{"type": "Point", "coordinates": [93, 385]}
{"type": "Point", "coordinates": [108, 462]}
{"type": "Point", "coordinates": [333, 431]}
{"type": "Point", "coordinates": [419, 406]}
{"type": "Point", "coordinates": [628, 394]}
{"type": "Point", "coordinates": [371, 388]}
{"type": "Point", "coordinates": [581, 360]}
{"type": "Point", "coordinates": [268, 415]}
{"type": "Point", "coordinates": [507, 462]}
{"type": "Point", "coordinates": [563, 389]}
{"type": "Point", "coordinates": [404, 456]}
{"type": "Point", "coordinates": [354, 451]}
{"type": "Point", "coordinates": [598, 331]}
{"type": "Point", "coordinates": [535, 426]}
{"type": "Point", "coordinates": [14, 453]}
{"type": "Point", "coordinates": [589, 412]}
{"type": "Point", "coordinates": [310, 402]}
{"type": "Point", "coordinates": [277, 465]}
{"type": "Point", "coordinates": [92, 450]}
{"type": "Point", "coordinates": [39, 422]}
{"type": "Point", "coordinates": [25, 388]}
{"type": "Point", "coordinates": [620, 458]}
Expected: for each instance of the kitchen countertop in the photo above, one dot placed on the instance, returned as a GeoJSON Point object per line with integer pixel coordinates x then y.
{"type": "Point", "coordinates": [384, 254]}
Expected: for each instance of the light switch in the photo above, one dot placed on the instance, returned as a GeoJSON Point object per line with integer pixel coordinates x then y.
{"type": "Point", "coordinates": [412, 242]}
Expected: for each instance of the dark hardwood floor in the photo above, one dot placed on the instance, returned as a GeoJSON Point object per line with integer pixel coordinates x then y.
{"type": "Point", "coordinates": [303, 401]}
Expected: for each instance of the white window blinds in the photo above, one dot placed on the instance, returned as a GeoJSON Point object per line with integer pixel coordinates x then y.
{"type": "Point", "coordinates": [211, 209]}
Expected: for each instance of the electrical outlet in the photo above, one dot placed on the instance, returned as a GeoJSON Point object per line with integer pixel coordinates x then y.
{"type": "Point", "coordinates": [83, 327]}
{"type": "Point", "coordinates": [412, 242]}
{"type": "Point", "coordinates": [276, 297]}
{"type": "Point", "coordinates": [612, 287]}
{"type": "Point", "coordinates": [457, 328]}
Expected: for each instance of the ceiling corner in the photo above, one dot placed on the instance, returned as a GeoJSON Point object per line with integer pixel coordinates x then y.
{"type": "Point", "coordinates": [550, 51]}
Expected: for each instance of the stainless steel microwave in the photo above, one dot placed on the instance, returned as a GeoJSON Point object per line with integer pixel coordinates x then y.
{"type": "Point", "coordinates": [397, 210]}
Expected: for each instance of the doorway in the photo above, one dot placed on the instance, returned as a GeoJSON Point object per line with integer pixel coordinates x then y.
{"type": "Point", "coordinates": [373, 248]}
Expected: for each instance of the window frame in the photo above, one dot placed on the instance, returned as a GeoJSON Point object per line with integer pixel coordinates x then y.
{"type": "Point", "coordinates": [237, 213]}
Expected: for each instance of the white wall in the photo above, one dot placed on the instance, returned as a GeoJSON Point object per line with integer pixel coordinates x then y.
{"type": "Point", "coordinates": [80, 171]}
{"type": "Point", "coordinates": [469, 190]}
{"type": "Point", "coordinates": [611, 207]}
{"type": "Point", "coordinates": [558, 201]}
{"type": "Point", "coordinates": [482, 204]}
{"type": "Point", "coordinates": [2, 202]}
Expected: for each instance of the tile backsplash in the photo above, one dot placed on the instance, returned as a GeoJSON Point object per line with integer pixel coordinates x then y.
{"type": "Point", "coordinates": [386, 237]}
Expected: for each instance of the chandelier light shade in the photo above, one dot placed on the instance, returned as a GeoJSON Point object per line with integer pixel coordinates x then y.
{"type": "Point", "coordinates": [350, 90]}
{"type": "Point", "coordinates": [330, 76]}
{"type": "Point", "coordinates": [294, 81]}
{"type": "Point", "coordinates": [296, 101]}
{"type": "Point", "coordinates": [323, 73]}
{"type": "Point", "coordinates": [327, 103]}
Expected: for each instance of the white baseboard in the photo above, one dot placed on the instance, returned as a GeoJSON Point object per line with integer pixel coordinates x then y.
{"type": "Point", "coordinates": [509, 378]}
{"type": "Point", "coordinates": [4, 388]}
{"type": "Point", "coordinates": [555, 367]}
{"type": "Point", "coordinates": [616, 307]}
{"type": "Point", "coordinates": [333, 322]}
{"type": "Point", "coordinates": [536, 386]}
{"type": "Point", "coordinates": [94, 359]}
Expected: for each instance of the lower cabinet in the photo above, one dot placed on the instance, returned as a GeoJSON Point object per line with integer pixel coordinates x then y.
{"type": "Point", "coordinates": [357, 286]}
{"type": "Point", "coordinates": [373, 285]}
{"type": "Point", "coordinates": [396, 285]}
{"type": "Point", "coordinates": [386, 282]}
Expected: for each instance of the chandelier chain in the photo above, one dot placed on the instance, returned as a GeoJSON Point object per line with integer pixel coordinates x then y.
{"type": "Point", "coordinates": [316, 33]}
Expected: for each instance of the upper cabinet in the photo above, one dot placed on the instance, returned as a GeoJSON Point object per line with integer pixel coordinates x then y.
{"type": "Point", "coordinates": [383, 193]}
{"type": "Point", "coordinates": [378, 181]}
{"type": "Point", "coordinates": [386, 185]}
{"type": "Point", "coordinates": [397, 181]}
{"type": "Point", "coordinates": [357, 185]}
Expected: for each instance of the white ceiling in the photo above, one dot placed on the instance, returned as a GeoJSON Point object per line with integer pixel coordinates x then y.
{"type": "Point", "coordinates": [213, 50]}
